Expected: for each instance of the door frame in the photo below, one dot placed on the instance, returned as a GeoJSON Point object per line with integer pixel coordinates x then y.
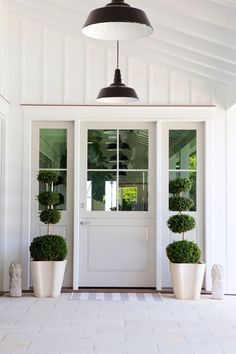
{"type": "Point", "coordinates": [158, 114]}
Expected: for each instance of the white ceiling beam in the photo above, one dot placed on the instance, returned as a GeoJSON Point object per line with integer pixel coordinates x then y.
{"type": "Point", "coordinates": [191, 56]}
{"type": "Point", "coordinates": [151, 55]}
{"type": "Point", "coordinates": [197, 45]}
{"type": "Point", "coordinates": [216, 14]}
{"type": "Point", "coordinates": [227, 3]}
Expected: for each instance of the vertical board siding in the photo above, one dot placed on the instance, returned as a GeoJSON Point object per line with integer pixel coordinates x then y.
{"type": "Point", "coordinates": [138, 78]}
{"type": "Point", "coordinates": [95, 72]}
{"type": "Point", "coordinates": [180, 90]}
{"type": "Point", "coordinates": [31, 63]}
{"type": "Point", "coordinates": [74, 67]}
{"type": "Point", "coordinates": [53, 66]}
{"type": "Point", "coordinates": [47, 67]}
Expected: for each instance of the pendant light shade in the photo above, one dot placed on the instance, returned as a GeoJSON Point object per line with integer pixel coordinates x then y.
{"type": "Point", "coordinates": [117, 92]}
{"type": "Point", "coordinates": [117, 21]}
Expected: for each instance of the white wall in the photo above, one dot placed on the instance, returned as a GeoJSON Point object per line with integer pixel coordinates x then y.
{"type": "Point", "coordinates": [46, 66]}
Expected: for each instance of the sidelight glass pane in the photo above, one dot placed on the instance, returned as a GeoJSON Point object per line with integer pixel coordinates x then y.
{"type": "Point", "coordinates": [133, 145]}
{"type": "Point", "coordinates": [102, 149]}
{"type": "Point", "coordinates": [182, 150]}
{"type": "Point", "coordinates": [133, 191]}
{"type": "Point", "coordinates": [59, 187]}
{"type": "Point", "coordinates": [101, 191]}
{"type": "Point", "coordinates": [53, 148]}
{"type": "Point", "coordinates": [192, 176]}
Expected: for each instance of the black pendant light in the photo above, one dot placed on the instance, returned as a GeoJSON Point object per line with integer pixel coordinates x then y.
{"type": "Point", "coordinates": [117, 21]}
{"type": "Point", "coordinates": [117, 92]}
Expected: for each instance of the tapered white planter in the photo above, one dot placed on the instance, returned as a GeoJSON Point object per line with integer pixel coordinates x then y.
{"type": "Point", "coordinates": [187, 280]}
{"type": "Point", "coordinates": [47, 278]}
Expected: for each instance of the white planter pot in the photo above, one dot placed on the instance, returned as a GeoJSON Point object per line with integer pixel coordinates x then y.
{"type": "Point", "coordinates": [47, 278]}
{"type": "Point", "coordinates": [187, 280]}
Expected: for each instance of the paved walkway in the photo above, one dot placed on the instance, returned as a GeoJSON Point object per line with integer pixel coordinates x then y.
{"type": "Point", "coordinates": [59, 326]}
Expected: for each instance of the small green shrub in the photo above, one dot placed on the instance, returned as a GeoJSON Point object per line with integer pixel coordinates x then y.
{"type": "Point", "coordinates": [181, 223]}
{"type": "Point", "coordinates": [50, 216]}
{"type": "Point", "coordinates": [180, 203]}
{"type": "Point", "coordinates": [183, 252]}
{"type": "Point", "coordinates": [180, 185]}
{"type": "Point", "coordinates": [48, 248]}
{"type": "Point", "coordinates": [47, 176]}
{"type": "Point", "coordinates": [49, 198]}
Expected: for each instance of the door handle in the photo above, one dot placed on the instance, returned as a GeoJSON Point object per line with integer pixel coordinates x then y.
{"type": "Point", "coordinates": [83, 223]}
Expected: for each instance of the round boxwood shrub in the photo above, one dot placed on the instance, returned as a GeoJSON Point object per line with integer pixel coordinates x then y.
{"type": "Point", "coordinates": [48, 248]}
{"type": "Point", "coordinates": [183, 252]}
{"type": "Point", "coordinates": [180, 185]}
{"type": "Point", "coordinates": [49, 198]}
{"type": "Point", "coordinates": [50, 216]}
{"type": "Point", "coordinates": [47, 176]}
{"type": "Point", "coordinates": [181, 223]}
{"type": "Point", "coordinates": [180, 203]}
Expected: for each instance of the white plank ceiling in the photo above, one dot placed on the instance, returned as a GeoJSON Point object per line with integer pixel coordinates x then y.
{"type": "Point", "coordinates": [195, 36]}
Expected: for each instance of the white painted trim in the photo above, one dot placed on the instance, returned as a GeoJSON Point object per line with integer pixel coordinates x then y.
{"type": "Point", "coordinates": [26, 201]}
{"type": "Point", "coordinates": [159, 210]}
{"type": "Point", "coordinates": [4, 109]}
{"type": "Point", "coordinates": [76, 204]}
{"type": "Point", "coordinates": [120, 113]}
{"type": "Point", "coordinates": [209, 205]}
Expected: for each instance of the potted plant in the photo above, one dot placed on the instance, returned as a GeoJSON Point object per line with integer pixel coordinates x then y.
{"type": "Point", "coordinates": [48, 252]}
{"type": "Point", "coordinates": [187, 271]}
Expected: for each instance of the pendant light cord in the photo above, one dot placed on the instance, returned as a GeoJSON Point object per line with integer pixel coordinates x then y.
{"type": "Point", "coordinates": [117, 53]}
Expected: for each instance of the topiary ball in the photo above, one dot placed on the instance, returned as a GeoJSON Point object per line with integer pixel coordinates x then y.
{"type": "Point", "coordinates": [50, 216]}
{"type": "Point", "coordinates": [47, 176]}
{"type": "Point", "coordinates": [180, 203]}
{"type": "Point", "coordinates": [48, 248]}
{"type": "Point", "coordinates": [183, 252]}
{"type": "Point", "coordinates": [49, 198]}
{"type": "Point", "coordinates": [181, 223]}
{"type": "Point", "coordinates": [179, 185]}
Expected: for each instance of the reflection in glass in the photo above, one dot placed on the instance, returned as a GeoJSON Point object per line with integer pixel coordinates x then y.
{"type": "Point", "coordinates": [53, 148]}
{"type": "Point", "coordinates": [133, 191]}
{"type": "Point", "coordinates": [59, 187]}
{"type": "Point", "coordinates": [101, 191]}
{"type": "Point", "coordinates": [134, 148]}
{"type": "Point", "coordinates": [182, 150]}
{"type": "Point", "coordinates": [192, 176]}
{"type": "Point", "coordinates": [102, 146]}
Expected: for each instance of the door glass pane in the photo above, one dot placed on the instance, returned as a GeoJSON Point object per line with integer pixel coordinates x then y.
{"type": "Point", "coordinates": [133, 146]}
{"type": "Point", "coordinates": [183, 158]}
{"type": "Point", "coordinates": [102, 149]}
{"type": "Point", "coordinates": [192, 176]}
{"type": "Point", "coordinates": [101, 191]}
{"type": "Point", "coordinates": [59, 187]}
{"type": "Point", "coordinates": [133, 191]}
{"type": "Point", "coordinates": [182, 150]}
{"type": "Point", "coordinates": [53, 148]}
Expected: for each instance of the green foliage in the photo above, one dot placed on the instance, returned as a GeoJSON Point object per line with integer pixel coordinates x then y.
{"type": "Point", "coordinates": [49, 198]}
{"type": "Point", "coordinates": [181, 223]}
{"type": "Point", "coordinates": [180, 185]}
{"type": "Point", "coordinates": [48, 248]}
{"type": "Point", "coordinates": [50, 216]}
{"type": "Point", "coordinates": [47, 176]}
{"type": "Point", "coordinates": [183, 252]}
{"type": "Point", "coordinates": [178, 203]}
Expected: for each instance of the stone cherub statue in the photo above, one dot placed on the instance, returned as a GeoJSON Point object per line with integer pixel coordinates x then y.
{"type": "Point", "coordinates": [15, 272]}
{"type": "Point", "coordinates": [217, 274]}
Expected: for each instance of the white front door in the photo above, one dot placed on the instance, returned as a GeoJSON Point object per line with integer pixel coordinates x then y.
{"type": "Point", "coordinates": [52, 149]}
{"type": "Point", "coordinates": [117, 206]}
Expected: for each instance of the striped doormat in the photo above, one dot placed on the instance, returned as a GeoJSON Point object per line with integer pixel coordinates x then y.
{"type": "Point", "coordinates": [123, 297]}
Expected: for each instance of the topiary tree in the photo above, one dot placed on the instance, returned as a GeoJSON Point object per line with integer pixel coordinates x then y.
{"type": "Point", "coordinates": [49, 247]}
{"type": "Point", "coordinates": [181, 251]}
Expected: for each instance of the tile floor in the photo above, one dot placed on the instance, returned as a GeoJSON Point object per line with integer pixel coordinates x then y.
{"type": "Point", "coordinates": [58, 326]}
